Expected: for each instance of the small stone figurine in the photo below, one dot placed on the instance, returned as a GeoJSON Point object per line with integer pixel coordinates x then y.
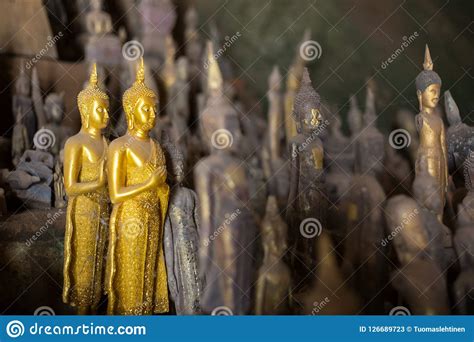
{"type": "Point", "coordinates": [23, 103]}
{"type": "Point", "coordinates": [181, 238]}
{"type": "Point", "coordinates": [306, 200]}
{"type": "Point", "coordinates": [431, 129]}
{"type": "Point", "coordinates": [274, 276]}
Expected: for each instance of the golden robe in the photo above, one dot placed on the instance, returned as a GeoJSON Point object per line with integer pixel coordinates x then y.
{"type": "Point", "coordinates": [136, 279]}
{"type": "Point", "coordinates": [84, 241]}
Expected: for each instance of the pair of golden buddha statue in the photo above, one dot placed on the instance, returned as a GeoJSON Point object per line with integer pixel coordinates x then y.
{"type": "Point", "coordinates": [131, 172]}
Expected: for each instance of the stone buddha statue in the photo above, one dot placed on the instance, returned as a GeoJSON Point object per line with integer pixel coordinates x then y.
{"type": "Point", "coordinates": [274, 276]}
{"type": "Point", "coordinates": [306, 198]}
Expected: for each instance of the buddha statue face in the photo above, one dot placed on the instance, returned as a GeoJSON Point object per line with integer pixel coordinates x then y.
{"type": "Point", "coordinates": [54, 107]}
{"type": "Point", "coordinates": [144, 113]}
{"type": "Point", "coordinates": [429, 97]}
{"type": "Point", "coordinates": [98, 116]}
{"type": "Point", "coordinates": [178, 169]}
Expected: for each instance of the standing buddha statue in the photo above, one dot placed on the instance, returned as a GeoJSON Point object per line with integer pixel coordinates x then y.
{"type": "Point", "coordinates": [431, 129]}
{"type": "Point", "coordinates": [306, 200]}
{"type": "Point", "coordinates": [87, 211]}
{"type": "Point", "coordinates": [136, 280]}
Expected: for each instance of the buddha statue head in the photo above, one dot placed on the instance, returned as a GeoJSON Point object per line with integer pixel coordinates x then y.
{"type": "Point", "coordinates": [93, 104]}
{"type": "Point", "coordinates": [174, 160]}
{"type": "Point", "coordinates": [139, 103]}
{"type": "Point", "coordinates": [54, 107]}
{"type": "Point", "coordinates": [428, 85]}
{"type": "Point", "coordinates": [307, 107]}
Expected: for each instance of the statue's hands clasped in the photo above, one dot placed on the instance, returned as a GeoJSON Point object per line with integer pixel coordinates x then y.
{"type": "Point", "coordinates": [158, 177]}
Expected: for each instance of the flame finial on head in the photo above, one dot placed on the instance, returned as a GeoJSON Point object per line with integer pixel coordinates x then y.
{"type": "Point", "coordinates": [427, 76]}
{"type": "Point", "coordinates": [93, 79]}
{"type": "Point", "coordinates": [428, 62]}
{"type": "Point", "coordinates": [91, 91]}
{"type": "Point", "coordinates": [140, 78]}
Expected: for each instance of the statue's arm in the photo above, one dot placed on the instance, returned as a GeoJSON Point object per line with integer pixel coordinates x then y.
{"type": "Point", "coordinates": [116, 171]}
{"type": "Point", "coordinates": [72, 167]}
{"type": "Point", "coordinates": [445, 153]}
{"type": "Point", "coordinates": [170, 257]}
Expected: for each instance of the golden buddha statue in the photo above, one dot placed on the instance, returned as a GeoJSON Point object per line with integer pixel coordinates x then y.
{"type": "Point", "coordinates": [87, 211]}
{"type": "Point", "coordinates": [136, 280]}
{"type": "Point", "coordinates": [432, 145]}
